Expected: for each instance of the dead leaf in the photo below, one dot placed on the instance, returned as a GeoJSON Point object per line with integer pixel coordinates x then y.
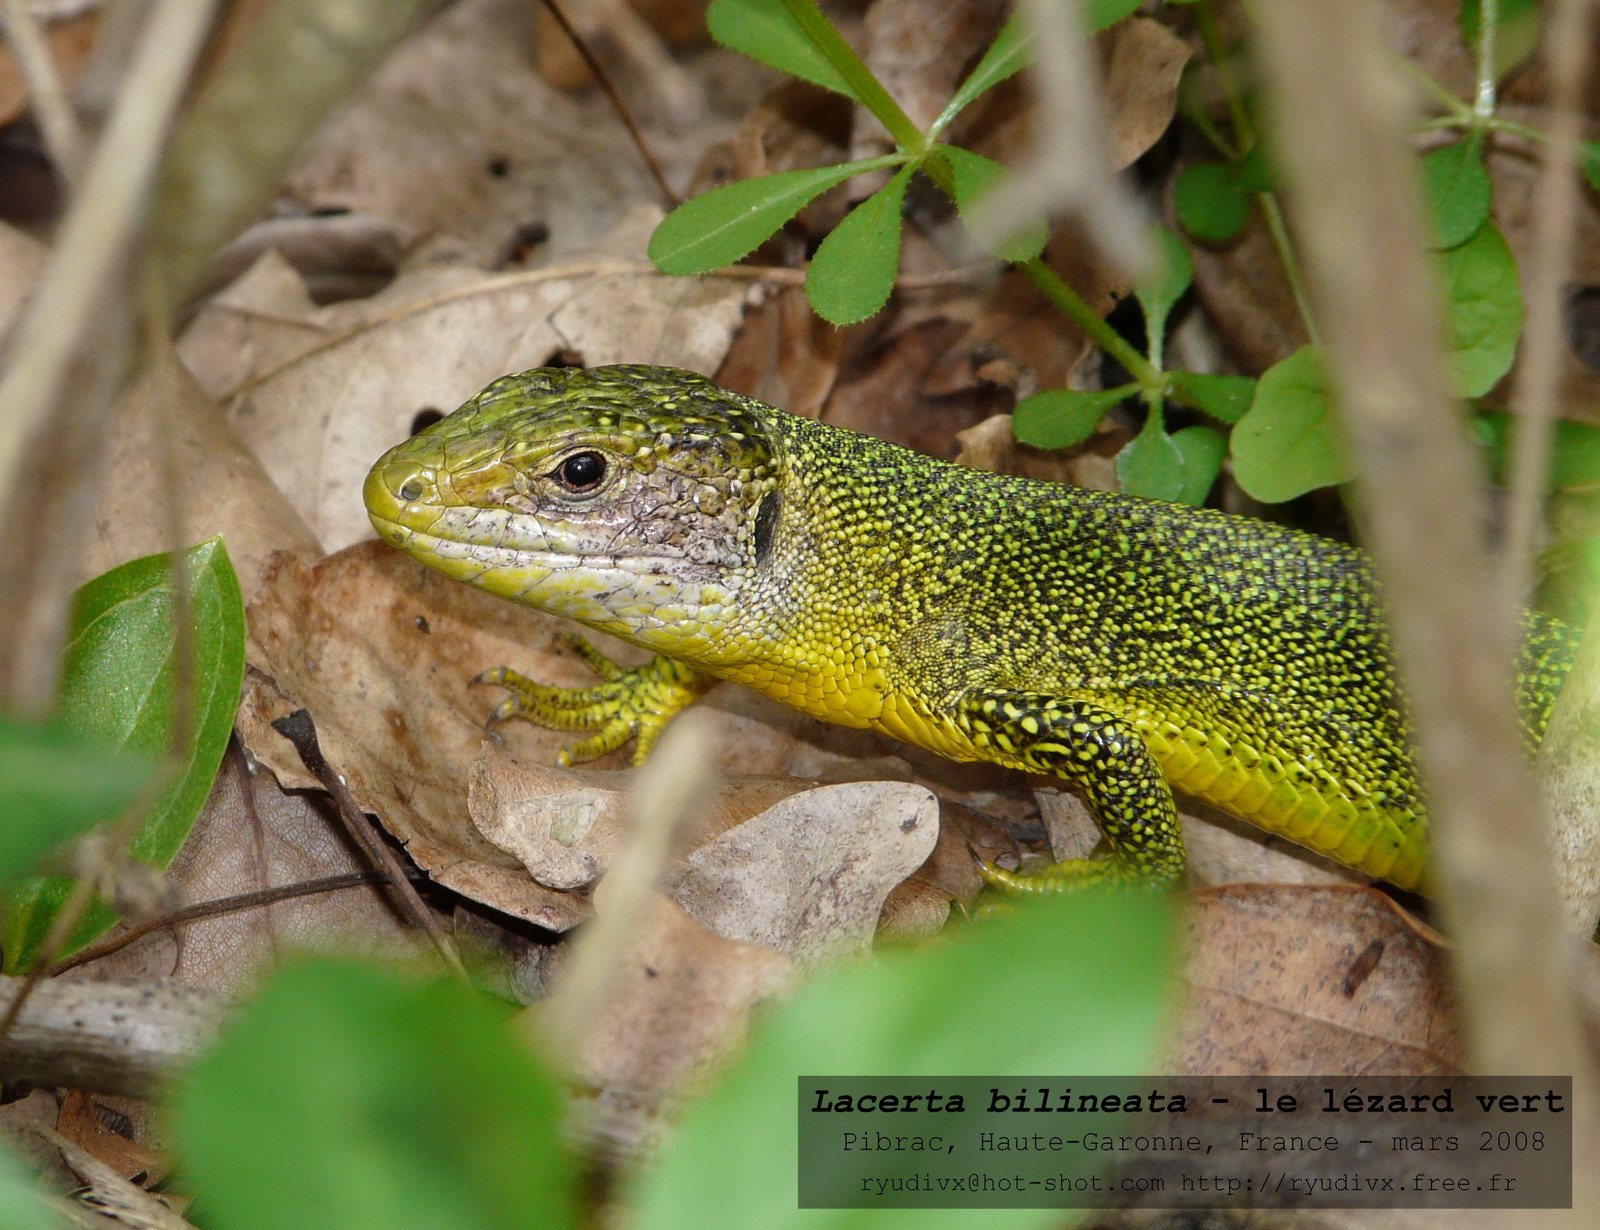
{"type": "Point", "coordinates": [88, 1125]}
{"type": "Point", "coordinates": [809, 875]}
{"type": "Point", "coordinates": [1284, 980]}
{"type": "Point", "coordinates": [457, 136]}
{"type": "Point", "coordinates": [564, 825]}
{"type": "Point", "coordinates": [1144, 61]}
{"type": "Point", "coordinates": [217, 482]}
{"type": "Point", "coordinates": [320, 393]}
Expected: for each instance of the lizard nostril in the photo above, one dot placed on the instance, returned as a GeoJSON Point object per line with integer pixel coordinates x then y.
{"type": "Point", "coordinates": [411, 489]}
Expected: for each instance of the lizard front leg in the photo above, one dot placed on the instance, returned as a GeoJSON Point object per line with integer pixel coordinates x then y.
{"type": "Point", "coordinates": [1099, 752]}
{"type": "Point", "coordinates": [634, 703]}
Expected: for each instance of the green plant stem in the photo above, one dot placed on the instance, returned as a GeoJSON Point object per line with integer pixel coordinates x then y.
{"type": "Point", "coordinates": [1436, 89]}
{"type": "Point", "coordinates": [1244, 130]}
{"type": "Point", "coordinates": [1484, 101]}
{"type": "Point", "coordinates": [1217, 53]}
{"type": "Point", "coordinates": [849, 65]}
{"type": "Point", "coordinates": [1051, 285]}
{"type": "Point", "coordinates": [1279, 230]}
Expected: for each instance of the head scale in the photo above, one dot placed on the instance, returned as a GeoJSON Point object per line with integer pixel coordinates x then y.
{"type": "Point", "coordinates": [631, 498]}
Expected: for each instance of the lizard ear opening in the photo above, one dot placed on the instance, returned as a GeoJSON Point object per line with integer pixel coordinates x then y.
{"type": "Point", "coordinates": [767, 524]}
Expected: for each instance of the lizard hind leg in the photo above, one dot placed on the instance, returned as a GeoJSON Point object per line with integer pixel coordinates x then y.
{"type": "Point", "coordinates": [1100, 752]}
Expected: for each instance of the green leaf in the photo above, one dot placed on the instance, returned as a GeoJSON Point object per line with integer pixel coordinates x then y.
{"type": "Point", "coordinates": [982, 1002]}
{"type": "Point", "coordinates": [1224, 398]}
{"type": "Point", "coordinates": [1060, 418]}
{"type": "Point", "coordinates": [1150, 464]}
{"type": "Point", "coordinates": [1165, 286]}
{"type": "Point", "coordinates": [1574, 452]}
{"type": "Point", "coordinates": [347, 1097]}
{"type": "Point", "coordinates": [1290, 441]}
{"type": "Point", "coordinates": [852, 273]}
{"type": "Point", "coordinates": [726, 224]}
{"type": "Point", "coordinates": [1456, 185]}
{"type": "Point", "coordinates": [1590, 157]}
{"type": "Point", "coordinates": [119, 689]}
{"type": "Point", "coordinates": [1005, 57]}
{"type": "Point", "coordinates": [1483, 310]}
{"type": "Point", "coordinates": [974, 177]}
{"type": "Point", "coordinates": [1209, 202]}
{"type": "Point", "coordinates": [1099, 14]}
{"type": "Point", "coordinates": [1203, 449]}
{"type": "Point", "coordinates": [22, 1205]}
{"type": "Point", "coordinates": [1516, 32]}
{"type": "Point", "coordinates": [764, 31]}
{"type": "Point", "coordinates": [56, 784]}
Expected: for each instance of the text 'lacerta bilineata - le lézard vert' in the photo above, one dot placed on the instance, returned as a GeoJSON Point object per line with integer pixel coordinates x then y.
{"type": "Point", "coordinates": [1117, 643]}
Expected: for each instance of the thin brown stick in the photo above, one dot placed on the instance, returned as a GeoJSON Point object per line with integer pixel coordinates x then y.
{"type": "Point", "coordinates": [302, 734]}
{"type": "Point", "coordinates": [1353, 186]}
{"type": "Point", "coordinates": [1555, 210]}
{"type": "Point", "coordinates": [620, 107]}
{"type": "Point", "coordinates": [261, 897]}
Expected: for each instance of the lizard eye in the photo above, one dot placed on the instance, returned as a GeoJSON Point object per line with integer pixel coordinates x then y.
{"type": "Point", "coordinates": [581, 473]}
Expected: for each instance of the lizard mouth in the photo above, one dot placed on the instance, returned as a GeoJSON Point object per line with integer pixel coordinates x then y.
{"type": "Point", "coordinates": [483, 556]}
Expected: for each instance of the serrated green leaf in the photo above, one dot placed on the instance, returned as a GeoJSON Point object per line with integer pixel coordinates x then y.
{"type": "Point", "coordinates": [974, 177]}
{"type": "Point", "coordinates": [1290, 441]}
{"type": "Point", "coordinates": [1484, 310]}
{"type": "Point", "coordinates": [118, 688]}
{"type": "Point", "coordinates": [55, 784]}
{"type": "Point", "coordinates": [391, 1104]}
{"type": "Point", "coordinates": [1516, 31]}
{"type": "Point", "coordinates": [1060, 418]}
{"type": "Point", "coordinates": [1224, 398]}
{"type": "Point", "coordinates": [852, 273]}
{"type": "Point", "coordinates": [1203, 449]}
{"type": "Point", "coordinates": [1006, 56]}
{"type": "Point", "coordinates": [1209, 202]}
{"type": "Point", "coordinates": [1456, 186]}
{"type": "Point", "coordinates": [1150, 464]}
{"type": "Point", "coordinates": [1165, 286]}
{"type": "Point", "coordinates": [726, 224]}
{"type": "Point", "coordinates": [764, 31]}
{"type": "Point", "coordinates": [22, 1204]}
{"type": "Point", "coordinates": [1096, 1007]}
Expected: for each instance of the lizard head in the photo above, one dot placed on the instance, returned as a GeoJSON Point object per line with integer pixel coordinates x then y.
{"type": "Point", "coordinates": [637, 500]}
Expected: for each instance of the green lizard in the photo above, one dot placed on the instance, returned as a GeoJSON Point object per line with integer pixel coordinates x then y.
{"type": "Point", "coordinates": [1117, 643]}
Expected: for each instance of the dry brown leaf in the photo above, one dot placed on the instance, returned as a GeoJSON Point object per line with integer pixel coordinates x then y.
{"type": "Point", "coordinates": [785, 354]}
{"type": "Point", "coordinates": [809, 876]}
{"type": "Point", "coordinates": [992, 446]}
{"type": "Point", "coordinates": [219, 485]}
{"type": "Point", "coordinates": [1301, 981]}
{"type": "Point", "coordinates": [252, 835]}
{"type": "Point", "coordinates": [458, 136]}
{"type": "Point", "coordinates": [320, 393]}
{"type": "Point", "coordinates": [375, 646]}
{"type": "Point", "coordinates": [1143, 63]}
{"type": "Point", "coordinates": [83, 1122]}
{"type": "Point", "coordinates": [564, 825]}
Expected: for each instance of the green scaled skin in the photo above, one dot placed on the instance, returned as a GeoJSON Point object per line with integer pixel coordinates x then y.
{"type": "Point", "coordinates": [1126, 646]}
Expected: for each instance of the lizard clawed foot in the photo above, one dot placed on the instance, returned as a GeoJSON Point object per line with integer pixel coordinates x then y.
{"type": "Point", "coordinates": [628, 703]}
